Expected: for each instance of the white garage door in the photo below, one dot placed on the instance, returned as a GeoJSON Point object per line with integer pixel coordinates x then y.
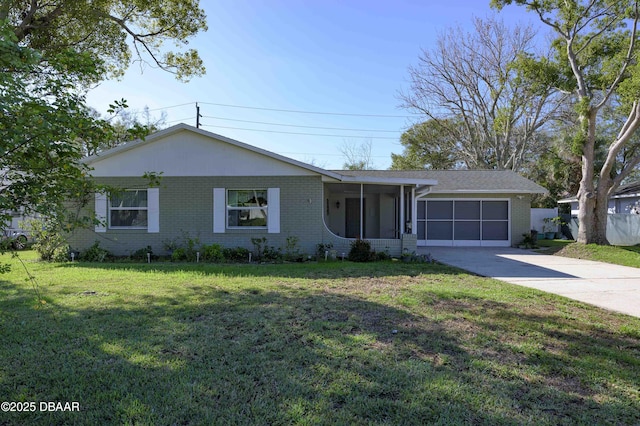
{"type": "Point", "coordinates": [463, 222]}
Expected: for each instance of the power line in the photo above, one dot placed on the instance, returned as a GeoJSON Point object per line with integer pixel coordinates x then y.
{"type": "Point", "coordinates": [299, 133]}
{"type": "Point", "coordinates": [309, 112]}
{"type": "Point", "coordinates": [305, 127]}
{"type": "Point", "coordinates": [327, 155]}
{"type": "Point", "coordinates": [170, 107]}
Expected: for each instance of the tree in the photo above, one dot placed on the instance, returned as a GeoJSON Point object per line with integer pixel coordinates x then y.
{"type": "Point", "coordinates": [468, 88]}
{"type": "Point", "coordinates": [110, 30]}
{"type": "Point", "coordinates": [596, 62]}
{"type": "Point", "coordinates": [50, 53]}
{"type": "Point", "coordinates": [126, 126]}
{"type": "Point", "coordinates": [43, 120]}
{"type": "Point", "coordinates": [357, 156]}
{"type": "Point", "coordinates": [429, 145]}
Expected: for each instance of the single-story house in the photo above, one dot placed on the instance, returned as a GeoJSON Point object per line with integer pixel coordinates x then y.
{"type": "Point", "coordinates": [625, 200]}
{"type": "Point", "coordinates": [224, 191]}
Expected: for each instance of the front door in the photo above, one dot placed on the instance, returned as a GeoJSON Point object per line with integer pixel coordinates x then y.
{"type": "Point", "coordinates": [352, 218]}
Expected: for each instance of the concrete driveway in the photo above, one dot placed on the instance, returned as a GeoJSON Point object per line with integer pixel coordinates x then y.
{"type": "Point", "coordinates": [601, 284]}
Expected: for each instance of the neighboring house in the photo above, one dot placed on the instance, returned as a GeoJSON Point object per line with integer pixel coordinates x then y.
{"type": "Point", "coordinates": [223, 191]}
{"type": "Point", "coordinates": [625, 200]}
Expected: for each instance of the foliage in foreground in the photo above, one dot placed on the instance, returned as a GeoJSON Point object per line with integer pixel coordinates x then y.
{"type": "Point", "coordinates": [326, 343]}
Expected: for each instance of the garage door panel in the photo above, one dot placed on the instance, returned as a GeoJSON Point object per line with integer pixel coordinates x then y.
{"type": "Point", "coordinates": [438, 210]}
{"type": "Point", "coordinates": [440, 230]}
{"type": "Point", "coordinates": [495, 231]}
{"type": "Point", "coordinates": [467, 210]}
{"type": "Point", "coordinates": [464, 222]}
{"type": "Point", "coordinates": [495, 210]}
{"type": "Point", "coordinates": [467, 230]}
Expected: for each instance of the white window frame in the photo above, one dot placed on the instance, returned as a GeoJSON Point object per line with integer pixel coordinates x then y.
{"type": "Point", "coordinates": [264, 208]}
{"type": "Point", "coordinates": [110, 208]}
{"type": "Point", "coordinates": [220, 212]}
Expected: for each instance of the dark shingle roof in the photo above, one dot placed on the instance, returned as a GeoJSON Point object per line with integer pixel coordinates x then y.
{"type": "Point", "coordinates": [498, 181]}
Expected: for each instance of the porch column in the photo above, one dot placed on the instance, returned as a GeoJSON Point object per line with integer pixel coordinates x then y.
{"type": "Point", "coordinates": [414, 211]}
{"type": "Point", "coordinates": [361, 211]}
{"type": "Point", "coordinates": [401, 210]}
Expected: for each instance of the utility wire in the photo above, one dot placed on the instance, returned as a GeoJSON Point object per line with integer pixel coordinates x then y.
{"type": "Point", "coordinates": [299, 133]}
{"type": "Point", "coordinates": [305, 127]}
{"type": "Point", "coordinates": [309, 112]}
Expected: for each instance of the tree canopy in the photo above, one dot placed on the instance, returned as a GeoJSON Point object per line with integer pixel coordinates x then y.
{"type": "Point", "coordinates": [43, 120]}
{"type": "Point", "coordinates": [50, 54]}
{"type": "Point", "coordinates": [596, 62]}
{"type": "Point", "coordinates": [429, 145]}
{"type": "Point", "coordinates": [115, 31]}
{"type": "Point", "coordinates": [468, 87]}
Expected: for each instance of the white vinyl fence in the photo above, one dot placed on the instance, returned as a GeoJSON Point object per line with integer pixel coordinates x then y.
{"type": "Point", "coordinates": [538, 216]}
{"type": "Point", "coordinates": [622, 229]}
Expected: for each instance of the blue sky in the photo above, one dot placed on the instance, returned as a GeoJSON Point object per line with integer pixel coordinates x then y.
{"type": "Point", "coordinates": [344, 57]}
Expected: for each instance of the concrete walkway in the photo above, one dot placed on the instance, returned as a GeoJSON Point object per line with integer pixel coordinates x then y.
{"type": "Point", "coordinates": [601, 284]}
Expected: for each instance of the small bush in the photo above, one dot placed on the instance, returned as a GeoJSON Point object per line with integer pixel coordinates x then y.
{"type": "Point", "coordinates": [212, 253]}
{"type": "Point", "coordinates": [141, 254]}
{"type": "Point", "coordinates": [264, 253]}
{"type": "Point", "coordinates": [271, 254]}
{"type": "Point", "coordinates": [292, 252]}
{"type": "Point", "coordinates": [95, 253]}
{"type": "Point", "coordinates": [381, 255]}
{"type": "Point", "coordinates": [236, 255]}
{"type": "Point", "coordinates": [50, 243]}
{"type": "Point", "coordinates": [179, 255]}
{"type": "Point", "coordinates": [361, 251]}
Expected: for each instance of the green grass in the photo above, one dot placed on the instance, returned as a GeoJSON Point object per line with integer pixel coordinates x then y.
{"type": "Point", "coordinates": [617, 255]}
{"type": "Point", "coordinates": [327, 343]}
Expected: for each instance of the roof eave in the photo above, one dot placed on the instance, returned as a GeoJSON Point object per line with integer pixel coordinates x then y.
{"type": "Point", "coordinates": [388, 181]}
{"type": "Point", "coordinates": [487, 191]}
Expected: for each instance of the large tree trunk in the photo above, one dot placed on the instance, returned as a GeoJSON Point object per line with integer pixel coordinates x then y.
{"type": "Point", "coordinates": [601, 214]}
{"type": "Point", "coordinates": [592, 201]}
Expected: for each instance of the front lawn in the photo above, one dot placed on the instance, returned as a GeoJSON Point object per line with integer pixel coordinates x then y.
{"type": "Point", "coordinates": [326, 343]}
{"type": "Point", "coordinates": [617, 255]}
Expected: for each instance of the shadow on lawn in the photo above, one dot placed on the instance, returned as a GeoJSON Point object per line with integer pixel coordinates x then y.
{"type": "Point", "coordinates": [284, 356]}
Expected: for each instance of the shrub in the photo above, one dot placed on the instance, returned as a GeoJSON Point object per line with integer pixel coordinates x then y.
{"type": "Point", "coordinates": [179, 255]}
{"type": "Point", "coordinates": [236, 255]}
{"type": "Point", "coordinates": [264, 253]}
{"type": "Point", "coordinates": [321, 248]}
{"type": "Point", "coordinates": [292, 252]}
{"type": "Point", "coordinates": [361, 251]}
{"type": "Point", "coordinates": [50, 243]}
{"type": "Point", "coordinates": [212, 253]}
{"type": "Point", "coordinates": [141, 254]}
{"type": "Point", "coordinates": [95, 253]}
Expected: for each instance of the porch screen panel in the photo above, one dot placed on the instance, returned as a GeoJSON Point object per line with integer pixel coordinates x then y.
{"type": "Point", "coordinates": [439, 220]}
{"type": "Point", "coordinates": [467, 220]}
{"type": "Point", "coordinates": [467, 230]}
{"type": "Point", "coordinates": [467, 210]}
{"type": "Point", "coordinates": [495, 231]}
{"type": "Point", "coordinates": [440, 230]}
{"type": "Point", "coordinates": [495, 210]}
{"type": "Point", "coordinates": [495, 220]}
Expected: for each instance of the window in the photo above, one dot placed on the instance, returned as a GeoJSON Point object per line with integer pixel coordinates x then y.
{"type": "Point", "coordinates": [247, 208]}
{"type": "Point", "coordinates": [128, 209]}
